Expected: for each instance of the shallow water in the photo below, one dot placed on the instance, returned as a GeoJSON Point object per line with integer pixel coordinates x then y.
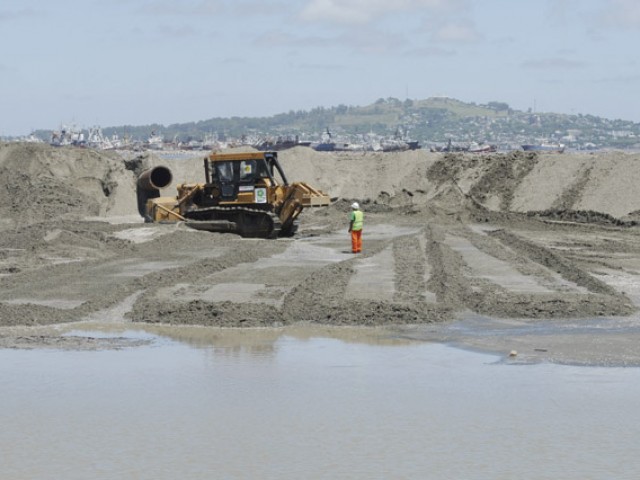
{"type": "Point", "coordinates": [292, 405]}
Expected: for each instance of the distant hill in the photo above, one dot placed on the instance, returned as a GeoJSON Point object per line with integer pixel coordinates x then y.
{"type": "Point", "coordinates": [432, 121]}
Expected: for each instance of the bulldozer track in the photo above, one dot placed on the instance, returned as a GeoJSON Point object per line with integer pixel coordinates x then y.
{"type": "Point", "coordinates": [275, 220]}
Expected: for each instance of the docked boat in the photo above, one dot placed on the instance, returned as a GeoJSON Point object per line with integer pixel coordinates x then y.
{"type": "Point", "coordinates": [472, 147]}
{"type": "Point", "coordinates": [544, 147]}
{"type": "Point", "coordinates": [482, 148]}
{"type": "Point", "coordinates": [400, 142]}
{"type": "Point", "coordinates": [279, 143]}
{"type": "Point", "coordinates": [328, 144]}
{"type": "Point", "coordinates": [68, 135]}
{"type": "Point", "coordinates": [98, 141]}
{"type": "Point", "coordinates": [154, 142]}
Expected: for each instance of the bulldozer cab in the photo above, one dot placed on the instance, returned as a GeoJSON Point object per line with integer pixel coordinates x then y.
{"type": "Point", "coordinates": [236, 175]}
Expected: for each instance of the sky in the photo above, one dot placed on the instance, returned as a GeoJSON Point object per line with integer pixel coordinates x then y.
{"type": "Point", "coordinates": [137, 62]}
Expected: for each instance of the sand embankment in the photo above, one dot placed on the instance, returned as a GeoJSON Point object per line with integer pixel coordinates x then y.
{"type": "Point", "coordinates": [61, 182]}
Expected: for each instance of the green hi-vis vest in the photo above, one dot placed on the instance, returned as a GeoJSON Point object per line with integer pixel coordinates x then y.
{"type": "Point", "coordinates": [357, 217]}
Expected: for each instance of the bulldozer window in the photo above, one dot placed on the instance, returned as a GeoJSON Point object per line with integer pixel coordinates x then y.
{"type": "Point", "coordinates": [225, 171]}
{"type": "Point", "coordinates": [247, 170]}
{"type": "Point", "coordinates": [262, 170]}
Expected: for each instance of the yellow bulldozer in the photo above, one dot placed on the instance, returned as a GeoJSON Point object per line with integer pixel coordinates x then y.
{"type": "Point", "coordinates": [244, 193]}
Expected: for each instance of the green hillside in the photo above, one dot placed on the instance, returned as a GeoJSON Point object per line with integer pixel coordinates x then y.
{"type": "Point", "coordinates": [433, 120]}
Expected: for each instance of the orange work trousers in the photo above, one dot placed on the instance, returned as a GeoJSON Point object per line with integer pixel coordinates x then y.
{"type": "Point", "coordinates": [356, 241]}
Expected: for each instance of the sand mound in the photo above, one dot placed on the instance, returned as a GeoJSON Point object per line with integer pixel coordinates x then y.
{"type": "Point", "coordinates": [40, 182]}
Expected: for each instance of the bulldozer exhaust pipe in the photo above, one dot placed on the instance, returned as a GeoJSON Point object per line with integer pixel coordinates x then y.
{"type": "Point", "coordinates": [148, 186]}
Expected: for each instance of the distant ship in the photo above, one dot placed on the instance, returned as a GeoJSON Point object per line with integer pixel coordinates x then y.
{"type": "Point", "coordinates": [482, 148]}
{"type": "Point", "coordinates": [473, 147]}
{"type": "Point", "coordinates": [544, 147]}
{"type": "Point", "coordinates": [279, 143]}
{"type": "Point", "coordinates": [68, 135]}
{"type": "Point", "coordinates": [399, 143]}
{"type": "Point", "coordinates": [327, 144]}
{"type": "Point", "coordinates": [154, 142]}
{"type": "Point", "coordinates": [97, 140]}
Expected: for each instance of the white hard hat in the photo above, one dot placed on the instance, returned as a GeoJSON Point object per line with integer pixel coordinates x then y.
{"type": "Point", "coordinates": [355, 206]}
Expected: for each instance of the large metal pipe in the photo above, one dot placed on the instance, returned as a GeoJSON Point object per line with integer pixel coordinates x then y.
{"type": "Point", "coordinates": [155, 178]}
{"type": "Point", "coordinates": [148, 186]}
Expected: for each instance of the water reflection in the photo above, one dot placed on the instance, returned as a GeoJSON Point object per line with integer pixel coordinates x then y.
{"type": "Point", "coordinates": [291, 404]}
{"type": "Point", "coordinates": [239, 342]}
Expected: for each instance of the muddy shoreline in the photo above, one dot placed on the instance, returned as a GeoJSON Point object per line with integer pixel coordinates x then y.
{"type": "Point", "coordinates": [450, 240]}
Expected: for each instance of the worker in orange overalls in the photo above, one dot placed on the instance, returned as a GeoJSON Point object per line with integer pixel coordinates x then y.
{"type": "Point", "coordinates": [356, 220]}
